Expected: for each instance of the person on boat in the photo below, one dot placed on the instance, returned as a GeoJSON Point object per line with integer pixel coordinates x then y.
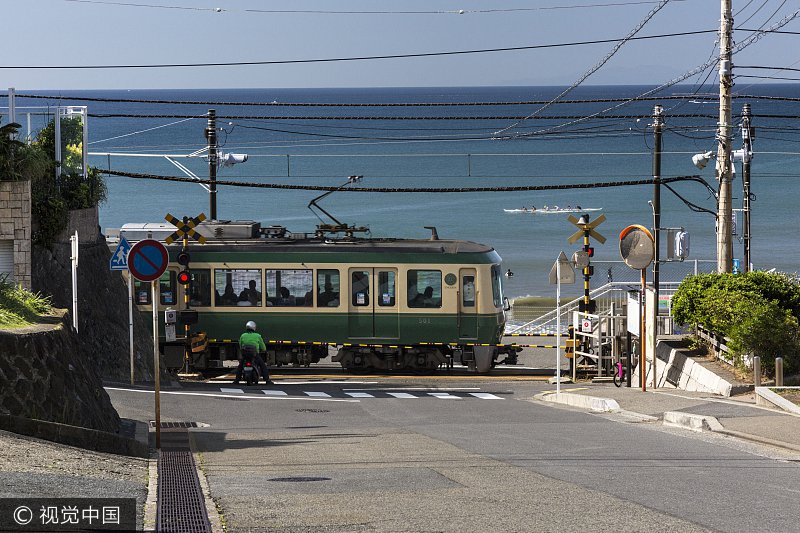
{"type": "Point", "coordinates": [533, 208]}
{"type": "Point", "coordinates": [578, 207]}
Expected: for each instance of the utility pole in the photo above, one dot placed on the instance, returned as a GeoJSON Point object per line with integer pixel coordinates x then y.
{"type": "Point", "coordinates": [211, 135]}
{"type": "Point", "coordinates": [723, 170]}
{"type": "Point", "coordinates": [747, 154]}
{"type": "Point", "coordinates": [658, 124]}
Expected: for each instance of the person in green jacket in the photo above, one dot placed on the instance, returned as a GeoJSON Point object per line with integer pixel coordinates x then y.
{"type": "Point", "coordinates": [252, 342]}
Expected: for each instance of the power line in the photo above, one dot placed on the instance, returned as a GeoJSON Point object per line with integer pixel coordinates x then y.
{"type": "Point", "coordinates": [345, 59]}
{"type": "Point", "coordinates": [595, 68]}
{"type": "Point", "coordinates": [705, 96]}
{"type": "Point", "coordinates": [594, 185]}
{"type": "Point", "coordinates": [371, 12]}
{"type": "Point", "coordinates": [342, 104]}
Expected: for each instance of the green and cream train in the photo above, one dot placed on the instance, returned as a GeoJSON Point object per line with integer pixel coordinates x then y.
{"type": "Point", "coordinates": [385, 304]}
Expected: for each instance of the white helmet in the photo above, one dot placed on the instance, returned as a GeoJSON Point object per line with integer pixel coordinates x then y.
{"type": "Point", "coordinates": [250, 325]}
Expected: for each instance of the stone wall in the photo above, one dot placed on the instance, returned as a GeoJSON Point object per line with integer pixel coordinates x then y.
{"type": "Point", "coordinates": [43, 376]}
{"type": "Point", "coordinates": [102, 308]}
{"type": "Point", "coordinates": [15, 223]}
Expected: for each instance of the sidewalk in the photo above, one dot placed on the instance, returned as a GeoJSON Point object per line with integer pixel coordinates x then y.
{"type": "Point", "coordinates": [737, 416]}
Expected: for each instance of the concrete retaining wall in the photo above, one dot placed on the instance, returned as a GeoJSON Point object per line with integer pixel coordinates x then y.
{"type": "Point", "coordinates": [678, 371]}
{"type": "Point", "coordinates": [86, 222]}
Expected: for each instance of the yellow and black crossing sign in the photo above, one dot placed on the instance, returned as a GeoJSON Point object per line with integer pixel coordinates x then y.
{"type": "Point", "coordinates": [584, 225]}
{"type": "Point", "coordinates": [185, 228]}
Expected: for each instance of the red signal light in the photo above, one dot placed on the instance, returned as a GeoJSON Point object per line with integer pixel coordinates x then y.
{"type": "Point", "coordinates": [184, 277]}
{"type": "Point", "coordinates": [590, 251]}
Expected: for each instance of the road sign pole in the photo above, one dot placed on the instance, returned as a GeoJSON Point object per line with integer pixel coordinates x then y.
{"type": "Point", "coordinates": [156, 363]}
{"type": "Point", "coordinates": [558, 327]}
{"type": "Point", "coordinates": [187, 347]}
{"type": "Point", "coordinates": [75, 247]}
{"type": "Point", "coordinates": [130, 319]}
{"type": "Point", "coordinates": [642, 335]}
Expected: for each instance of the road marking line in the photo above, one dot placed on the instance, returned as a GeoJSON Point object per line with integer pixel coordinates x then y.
{"type": "Point", "coordinates": [227, 390]}
{"type": "Point", "coordinates": [419, 388]}
{"type": "Point", "coordinates": [401, 395]}
{"type": "Point", "coordinates": [359, 395]}
{"type": "Point", "coordinates": [249, 397]}
{"type": "Point", "coordinates": [444, 396]}
{"type": "Point", "coordinates": [324, 382]}
{"type": "Point", "coordinates": [274, 392]}
{"type": "Point", "coordinates": [485, 396]}
{"type": "Point", "coordinates": [317, 394]}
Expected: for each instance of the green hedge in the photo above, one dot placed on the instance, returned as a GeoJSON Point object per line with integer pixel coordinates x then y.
{"type": "Point", "coordinates": [758, 311]}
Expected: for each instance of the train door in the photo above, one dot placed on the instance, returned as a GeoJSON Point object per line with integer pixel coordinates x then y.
{"type": "Point", "coordinates": [468, 304]}
{"type": "Point", "coordinates": [372, 303]}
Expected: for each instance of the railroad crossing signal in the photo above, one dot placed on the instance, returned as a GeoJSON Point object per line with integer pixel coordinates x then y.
{"type": "Point", "coordinates": [185, 228]}
{"type": "Point", "coordinates": [584, 225]}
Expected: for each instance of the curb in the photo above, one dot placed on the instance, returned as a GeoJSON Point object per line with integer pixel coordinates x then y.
{"type": "Point", "coordinates": [772, 399]}
{"type": "Point", "coordinates": [691, 422]}
{"type": "Point", "coordinates": [90, 439]}
{"type": "Point", "coordinates": [592, 403]}
{"type": "Point", "coordinates": [701, 423]}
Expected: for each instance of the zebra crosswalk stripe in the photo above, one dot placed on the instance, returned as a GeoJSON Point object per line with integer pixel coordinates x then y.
{"type": "Point", "coordinates": [401, 395]}
{"type": "Point", "coordinates": [485, 396]}
{"type": "Point", "coordinates": [444, 396]}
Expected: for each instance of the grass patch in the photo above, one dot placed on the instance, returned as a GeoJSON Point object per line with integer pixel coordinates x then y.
{"type": "Point", "coordinates": [20, 307]}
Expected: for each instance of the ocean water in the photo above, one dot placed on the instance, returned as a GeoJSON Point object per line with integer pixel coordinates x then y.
{"type": "Point", "coordinates": [286, 146]}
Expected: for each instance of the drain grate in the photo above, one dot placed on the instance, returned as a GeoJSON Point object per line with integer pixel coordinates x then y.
{"type": "Point", "coordinates": [181, 507]}
{"type": "Point", "coordinates": [170, 425]}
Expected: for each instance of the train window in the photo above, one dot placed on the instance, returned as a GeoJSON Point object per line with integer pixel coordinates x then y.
{"type": "Point", "coordinates": [429, 282]}
{"type": "Point", "coordinates": [497, 287]}
{"type": "Point", "coordinates": [327, 288]}
{"type": "Point", "coordinates": [468, 291]}
{"type": "Point", "coordinates": [200, 287]}
{"type": "Point", "coordinates": [386, 288]}
{"type": "Point", "coordinates": [166, 288]}
{"type": "Point", "coordinates": [237, 287]}
{"type": "Point", "coordinates": [359, 287]}
{"type": "Point", "coordinates": [141, 292]}
{"type": "Point", "coordinates": [289, 288]}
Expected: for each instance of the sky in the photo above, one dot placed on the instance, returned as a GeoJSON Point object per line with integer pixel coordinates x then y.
{"type": "Point", "coordinates": [97, 32]}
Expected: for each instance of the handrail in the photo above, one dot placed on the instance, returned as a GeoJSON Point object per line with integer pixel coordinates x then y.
{"type": "Point", "coordinates": [617, 290]}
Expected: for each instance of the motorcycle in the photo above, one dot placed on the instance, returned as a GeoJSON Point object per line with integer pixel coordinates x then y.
{"type": "Point", "coordinates": [250, 372]}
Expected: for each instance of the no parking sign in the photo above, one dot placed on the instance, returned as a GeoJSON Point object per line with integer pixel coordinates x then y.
{"type": "Point", "coordinates": [147, 260]}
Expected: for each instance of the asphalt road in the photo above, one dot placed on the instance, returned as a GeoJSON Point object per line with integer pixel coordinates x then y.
{"type": "Point", "coordinates": [445, 454]}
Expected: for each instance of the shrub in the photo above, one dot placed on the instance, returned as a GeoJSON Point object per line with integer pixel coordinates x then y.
{"type": "Point", "coordinates": [757, 311]}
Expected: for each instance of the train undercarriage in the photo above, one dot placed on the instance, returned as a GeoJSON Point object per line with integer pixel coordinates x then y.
{"type": "Point", "coordinates": [353, 358]}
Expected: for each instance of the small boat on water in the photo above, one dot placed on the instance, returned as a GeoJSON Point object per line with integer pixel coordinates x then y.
{"type": "Point", "coordinates": [553, 209]}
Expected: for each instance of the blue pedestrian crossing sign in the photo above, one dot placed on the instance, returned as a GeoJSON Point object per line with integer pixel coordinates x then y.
{"type": "Point", "coordinates": [119, 260]}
